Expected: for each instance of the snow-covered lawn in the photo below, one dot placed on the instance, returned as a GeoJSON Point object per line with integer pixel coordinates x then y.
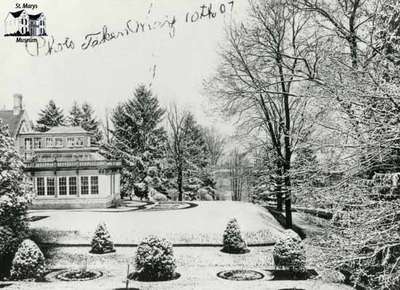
{"type": "Point", "coordinates": [198, 265]}
{"type": "Point", "coordinates": [202, 224]}
{"type": "Point", "coordinates": [198, 268]}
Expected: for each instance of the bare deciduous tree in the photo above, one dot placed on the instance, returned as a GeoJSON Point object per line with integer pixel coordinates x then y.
{"type": "Point", "coordinates": [215, 144]}
{"type": "Point", "coordinates": [259, 79]}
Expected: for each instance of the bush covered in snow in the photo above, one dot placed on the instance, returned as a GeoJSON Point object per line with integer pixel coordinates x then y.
{"type": "Point", "coordinates": [289, 253]}
{"type": "Point", "coordinates": [101, 242]}
{"type": "Point", "coordinates": [155, 260]}
{"type": "Point", "coordinates": [28, 262]}
{"type": "Point", "coordinates": [233, 241]}
{"type": "Point", "coordinates": [13, 201]}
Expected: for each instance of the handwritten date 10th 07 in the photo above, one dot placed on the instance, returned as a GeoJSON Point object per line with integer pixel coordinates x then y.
{"type": "Point", "coordinates": [208, 11]}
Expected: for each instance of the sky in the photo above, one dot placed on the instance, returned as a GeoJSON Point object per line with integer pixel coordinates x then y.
{"type": "Point", "coordinates": [174, 57]}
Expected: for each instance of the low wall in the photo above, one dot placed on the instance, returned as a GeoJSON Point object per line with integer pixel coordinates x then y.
{"type": "Point", "coordinates": [71, 203]}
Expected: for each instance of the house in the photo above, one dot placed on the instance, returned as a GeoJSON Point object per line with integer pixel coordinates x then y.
{"type": "Point", "coordinates": [17, 118]}
{"type": "Point", "coordinates": [20, 23]}
{"type": "Point", "coordinates": [66, 171]}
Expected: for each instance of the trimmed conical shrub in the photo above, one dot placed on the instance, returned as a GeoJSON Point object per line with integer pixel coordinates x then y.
{"type": "Point", "coordinates": [290, 254]}
{"type": "Point", "coordinates": [155, 260]}
{"type": "Point", "coordinates": [101, 242]}
{"type": "Point", "coordinates": [233, 241]}
{"type": "Point", "coordinates": [28, 262]}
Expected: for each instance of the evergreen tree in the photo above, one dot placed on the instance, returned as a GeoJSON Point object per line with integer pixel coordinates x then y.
{"type": "Point", "coordinates": [196, 150]}
{"type": "Point", "coordinates": [91, 124]}
{"type": "Point", "coordinates": [13, 203]}
{"type": "Point", "coordinates": [137, 137]}
{"type": "Point", "coordinates": [75, 115]}
{"type": "Point", "coordinates": [84, 117]}
{"type": "Point", "coordinates": [50, 116]}
{"type": "Point", "coordinates": [187, 148]}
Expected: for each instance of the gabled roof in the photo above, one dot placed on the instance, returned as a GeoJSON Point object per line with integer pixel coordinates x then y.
{"type": "Point", "coordinates": [67, 130]}
{"type": "Point", "coordinates": [13, 121]}
{"type": "Point", "coordinates": [17, 13]}
{"type": "Point", "coordinates": [34, 17]}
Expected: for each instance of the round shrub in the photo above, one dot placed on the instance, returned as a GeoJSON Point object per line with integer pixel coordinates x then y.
{"type": "Point", "coordinates": [232, 239]}
{"type": "Point", "coordinates": [28, 262]}
{"type": "Point", "coordinates": [159, 197]}
{"type": "Point", "coordinates": [289, 253]}
{"type": "Point", "coordinates": [155, 260]}
{"type": "Point", "coordinates": [101, 242]}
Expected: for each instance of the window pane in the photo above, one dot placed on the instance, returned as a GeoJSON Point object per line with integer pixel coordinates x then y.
{"type": "Point", "coordinates": [49, 142]}
{"type": "Point", "coordinates": [62, 185]}
{"type": "Point", "coordinates": [79, 141]}
{"type": "Point", "coordinates": [58, 142]}
{"type": "Point", "coordinates": [40, 186]}
{"type": "Point", "coordinates": [84, 185]}
{"type": "Point", "coordinates": [70, 141]}
{"type": "Point", "coordinates": [51, 189]}
{"type": "Point", "coordinates": [38, 143]}
{"type": "Point", "coordinates": [72, 185]}
{"type": "Point", "coordinates": [28, 143]}
{"type": "Point", "coordinates": [94, 184]}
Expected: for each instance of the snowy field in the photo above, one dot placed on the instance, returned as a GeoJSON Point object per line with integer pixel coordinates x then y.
{"type": "Point", "coordinates": [198, 268]}
{"type": "Point", "coordinates": [203, 224]}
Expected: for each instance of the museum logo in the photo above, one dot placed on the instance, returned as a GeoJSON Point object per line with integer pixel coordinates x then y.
{"type": "Point", "coordinates": [21, 23]}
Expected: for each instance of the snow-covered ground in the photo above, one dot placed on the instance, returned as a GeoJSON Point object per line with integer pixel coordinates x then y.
{"type": "Point", "coordinates": [202, 224]}
{"type": "Point", "coordinates": [198, 268]}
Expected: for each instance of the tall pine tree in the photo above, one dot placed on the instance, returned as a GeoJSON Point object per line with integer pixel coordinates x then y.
{"type": "Point", "coordinates": [50, 116]}
{"type": "Point", "coordinates": [187, 147]}
{"type": "Point", "coordinates": [75, 115]}
{"type": "Point", "coordinates": [137, 136]}
{"type": "Point", "coordinates": [84, 117]}
{"type": "Point", "coordinates": [197, 154]}
{"type": "Point", "coordinates": [91, 124]}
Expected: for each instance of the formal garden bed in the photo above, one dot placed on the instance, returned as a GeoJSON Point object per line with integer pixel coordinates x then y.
{"type": "Point", "coordinates": [170, 205]}
{"type": "Point", "coordinates": [240, 275]}
{"type": "Point", "coordinates": [79, 275]}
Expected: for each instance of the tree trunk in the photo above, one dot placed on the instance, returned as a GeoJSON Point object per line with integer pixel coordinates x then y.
{"type": "Point", "coordinates": [278, 190]}
{"type": "Point", "coordinates": [180, 183]}
{"type": "Point", "coordinates": [288, 202]}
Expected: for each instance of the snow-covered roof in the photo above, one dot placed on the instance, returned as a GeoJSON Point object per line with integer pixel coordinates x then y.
{"type": "Point", "coordinates": [17, 13]}
{"type": "Point", "coordinates": [34, 17]}
{"type": "Point", "coordinates": [67, 130]}
{"type": "Point", "coordinates": [13, 121]}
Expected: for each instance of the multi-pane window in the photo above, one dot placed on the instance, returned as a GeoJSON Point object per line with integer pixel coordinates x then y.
{"type": "Point", "coordinates": [94, 184]}
{"type": "Point", "coordinates": [58, 142]}
{"type": "Point", "coordinates": [40, 186]}
{"type": "Point", "coordinates": [37, 143]}
{"type": "Point", "coordinates": [70, 141]}
{"type": "Point", "coordinates": [49, 142]}
{"type": "Point", "coordinates": [72, 185]}
{"type": "Point", "coordinates": [84, 185]}
{"type": "Point", "coordinates": [28, 143]}
{"type": "Point", "coordinates": [62, 186]}
{"type": "Point", "coordinates": [51, 186]}
{"type": "Point", "coordinates": [79, 141]}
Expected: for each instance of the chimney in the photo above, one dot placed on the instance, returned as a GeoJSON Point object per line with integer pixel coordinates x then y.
{"type": "Point", "coordinates": [17, 104]}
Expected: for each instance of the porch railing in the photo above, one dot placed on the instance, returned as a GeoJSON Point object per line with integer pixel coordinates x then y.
{"type": "Point", "coordinates": [72, 163]}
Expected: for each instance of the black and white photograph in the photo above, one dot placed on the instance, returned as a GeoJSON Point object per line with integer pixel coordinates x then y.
{"type": "Point", "coordinates": [190, 144]}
